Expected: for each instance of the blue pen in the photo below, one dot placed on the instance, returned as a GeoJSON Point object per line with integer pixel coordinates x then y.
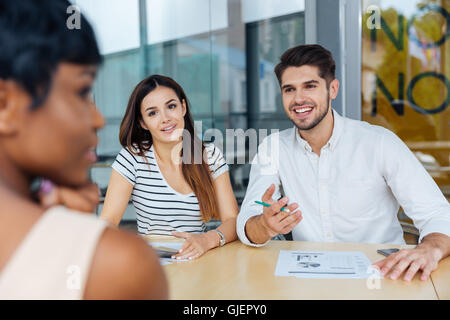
{"type": "Point", "coordinates": [268, 205]}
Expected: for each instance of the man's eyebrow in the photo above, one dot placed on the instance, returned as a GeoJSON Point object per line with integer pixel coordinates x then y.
{"type": "Point", "coordinates": [304, 84]}
{"type": "Point", "coordinates": [311, 82]}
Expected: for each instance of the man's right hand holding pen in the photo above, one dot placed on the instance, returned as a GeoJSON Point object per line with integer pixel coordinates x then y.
{"type": "Point", "coordinates": [259, 229]}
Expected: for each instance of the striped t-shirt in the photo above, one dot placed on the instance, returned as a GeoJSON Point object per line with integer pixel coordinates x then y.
{"type": "Point", "coordinates": [159, 208]}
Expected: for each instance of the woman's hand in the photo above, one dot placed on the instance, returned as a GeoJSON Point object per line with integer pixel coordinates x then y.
{"type": "Point", "coordinates": [84, 199]}
{"type": "Point", "coordinates": [196, 244]}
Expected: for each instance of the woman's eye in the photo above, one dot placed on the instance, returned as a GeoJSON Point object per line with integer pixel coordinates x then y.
{"type": "Point", "coordinates": [172, 106]}
{"type": "Point", "coordinates": [151, 113]}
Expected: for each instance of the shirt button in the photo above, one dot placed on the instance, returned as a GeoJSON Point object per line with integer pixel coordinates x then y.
{"type": "Point", "coordinates": [329, 234]}
{"type": "Point", "coordinates": [323, 212]}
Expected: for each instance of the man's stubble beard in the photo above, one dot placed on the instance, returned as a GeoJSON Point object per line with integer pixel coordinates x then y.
{"type": "Point", "coordinates": [319, 118]}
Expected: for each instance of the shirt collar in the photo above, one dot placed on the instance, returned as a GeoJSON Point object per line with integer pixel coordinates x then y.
{"type": "Point", "coordinates": [337, 130]}
{"type": "Point", "coordinates": [304, 145]}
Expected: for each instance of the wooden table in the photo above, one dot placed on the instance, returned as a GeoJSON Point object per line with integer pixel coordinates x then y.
{"type": "Point", "coordinates": [441, 280]}
{"type": "Point", "coordinates": [237, 271]}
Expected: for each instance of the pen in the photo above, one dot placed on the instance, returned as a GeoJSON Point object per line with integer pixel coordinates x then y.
{"type": "Point", "coordinates": [268, 205]}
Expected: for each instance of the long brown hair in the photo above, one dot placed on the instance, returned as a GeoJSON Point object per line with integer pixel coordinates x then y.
{"type": "Point", "coordinates": [139, 141]}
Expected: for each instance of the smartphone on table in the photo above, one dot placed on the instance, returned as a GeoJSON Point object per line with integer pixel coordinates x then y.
{"type": "Point", "coordinates": [164, 252]}
{"type": "Point", "coordinates": [387, 252]}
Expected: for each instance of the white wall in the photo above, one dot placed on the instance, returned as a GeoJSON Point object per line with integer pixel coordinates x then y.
{"type": "Point", "coordinates": [174, 19]}
{"type": "Point", "coordinates": [254, 10]}
{"type": "Point", "coordinates": [115, 22]}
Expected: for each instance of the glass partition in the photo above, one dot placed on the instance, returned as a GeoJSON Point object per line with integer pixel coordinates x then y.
{"type": "Point", "coordinates": [405, 77]}
{"type": "Point", "coordinates": [222, 52]}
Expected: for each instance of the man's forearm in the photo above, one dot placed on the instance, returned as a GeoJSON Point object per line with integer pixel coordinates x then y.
{"type": "Point", "coordinates": [255, 230]}
{"type": "Point", "coordinates": [438, 241]}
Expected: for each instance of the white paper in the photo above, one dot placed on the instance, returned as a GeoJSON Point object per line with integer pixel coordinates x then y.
{"type": "Point", "coordinates": [171, 245]}
{"type": "Point", "coordinates": [323, 265]}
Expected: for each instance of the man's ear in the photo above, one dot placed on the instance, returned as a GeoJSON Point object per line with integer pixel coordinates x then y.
{"type": "Point", "coordinates": [334, 89]}
{"type": "Point", "coordinates": [10, 103]}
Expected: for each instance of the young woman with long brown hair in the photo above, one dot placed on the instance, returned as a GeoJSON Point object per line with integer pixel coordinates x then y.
{"type": "Point", "coordinates": [176, 182]}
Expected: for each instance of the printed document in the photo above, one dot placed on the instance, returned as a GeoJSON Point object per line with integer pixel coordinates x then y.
{"type": "Point", "coordinates": [323, 264]}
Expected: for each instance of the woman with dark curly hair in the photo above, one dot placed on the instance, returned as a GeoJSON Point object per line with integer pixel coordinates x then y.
{"type": "Point", "coordinates": [48, 129]}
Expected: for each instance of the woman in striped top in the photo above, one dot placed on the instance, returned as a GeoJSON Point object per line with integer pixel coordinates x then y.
{"type": "Point", "coordinates": [176, 182]}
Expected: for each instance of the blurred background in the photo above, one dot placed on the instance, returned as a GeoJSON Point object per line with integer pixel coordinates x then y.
{"type": "Point", "coordinates": [391, 58]}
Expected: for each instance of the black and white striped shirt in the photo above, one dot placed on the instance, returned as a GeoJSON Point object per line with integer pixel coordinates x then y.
{"type": "Point", "coordinates": [159, 208]}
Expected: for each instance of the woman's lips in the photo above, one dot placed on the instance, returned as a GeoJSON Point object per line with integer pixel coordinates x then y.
{"type": "Point", "coordinates": [91, 155]}
{"type": "Point", "coordinates": [169, 129]}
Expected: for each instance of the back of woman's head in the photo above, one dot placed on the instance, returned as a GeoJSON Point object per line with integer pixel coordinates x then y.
{"type": "Point", "coordinates": [35, 38]}
{"type": "Point", "coordinates": [48, 120]}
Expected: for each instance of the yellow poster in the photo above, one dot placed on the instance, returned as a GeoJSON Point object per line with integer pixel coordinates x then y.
{"type": "Point", "coordinates": [406, 77]}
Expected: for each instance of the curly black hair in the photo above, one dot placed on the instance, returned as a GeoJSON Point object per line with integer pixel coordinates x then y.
{"type": "Point", "coordinates": [35, 39]}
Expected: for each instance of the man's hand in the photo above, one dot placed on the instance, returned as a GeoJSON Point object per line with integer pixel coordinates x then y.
{"type": "Point", "coordinates": [424, 257]}
{"type": "Point", "coordinates": [273, 221]}
{"type": "Point", "coordinates": [84, 199]}
{"type": "Point", "coordinates": [276, 221]}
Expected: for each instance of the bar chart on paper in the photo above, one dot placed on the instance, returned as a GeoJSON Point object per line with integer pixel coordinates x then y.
{"type": "Point", "coordinates": [322, 264]}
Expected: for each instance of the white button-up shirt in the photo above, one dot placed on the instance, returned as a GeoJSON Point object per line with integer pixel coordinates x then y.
{"type": "Point", "coordinates": [352, 192]}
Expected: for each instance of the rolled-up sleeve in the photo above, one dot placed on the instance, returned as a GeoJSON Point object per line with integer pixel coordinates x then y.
{"type": "Point", "coordinates": [263, 173]}
{"type": "Point", "coordinates": [413, 187]}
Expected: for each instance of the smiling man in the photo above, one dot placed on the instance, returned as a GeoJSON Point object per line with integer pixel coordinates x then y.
{"type": "Point", "coordinates": [342, 180]}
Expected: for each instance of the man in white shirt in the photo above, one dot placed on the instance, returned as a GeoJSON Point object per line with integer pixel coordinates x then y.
{"type": "Point", "coordinates": [343, 179]}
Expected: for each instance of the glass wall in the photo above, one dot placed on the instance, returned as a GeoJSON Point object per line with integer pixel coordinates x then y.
{"type": "Point", "coordinates": [405, 77]}
{"type": "Point", "coordinates": [222, 52]}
